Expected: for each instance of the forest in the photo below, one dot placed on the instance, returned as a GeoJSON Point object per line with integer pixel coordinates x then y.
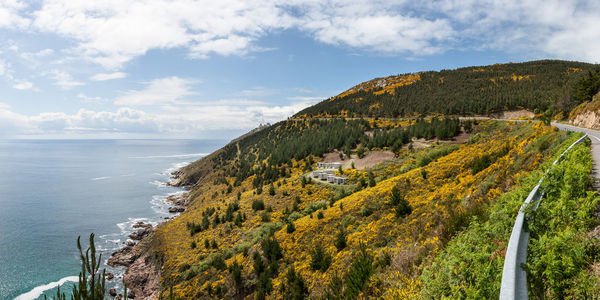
{"type": "Point", "coordinates": [536, 86]}
{"type": "Point", "coordinates": [269, 154]}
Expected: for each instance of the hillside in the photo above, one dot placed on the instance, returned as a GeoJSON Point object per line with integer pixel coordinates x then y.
{"type": "Point", "coordinates": [536, 86]}
{"type": "Point", "coordinates": [425, 212]}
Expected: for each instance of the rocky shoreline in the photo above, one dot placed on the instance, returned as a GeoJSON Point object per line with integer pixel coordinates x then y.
{"type": "Point", "coordinates": [142, 274]}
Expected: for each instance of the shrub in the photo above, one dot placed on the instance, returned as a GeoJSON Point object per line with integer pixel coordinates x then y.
{"type": "Point", "coordinates": [272, 190]}
{"type": "Point", "coordinates": [366, 211]}
{"type": "Point", "coordinates": [218, 262]}
{"type": "Point", "coordinates": [290, 227]}
{"type": "Point", "coordinates": [320, 215]}
{"type": "Point", "coordinates": [340, 240]}
{"type": "Point", "coordinates": [480, 163]}
{"type": "Point", "coordinates": [320, 259]}
{"type": "Point", "coordinates": [294, 216]}
{"type": "Point", "coordinates": [236, 274]}
{"type": "Point", "coordinates": [258, 204]}
{"type": "Point", "coordinates": [321, 204]}
{"type": "Point", "coordinates": [361, 269]}
{"type": "Point", "coordinates": [295, 288]}
{"type": "Point", "coordinates": [360, 152]}
{"type": "Point", "coordinates": [265, 217]}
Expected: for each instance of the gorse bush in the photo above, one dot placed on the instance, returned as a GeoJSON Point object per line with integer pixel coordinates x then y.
{"type": "Point", "coordinates": [561, 249]}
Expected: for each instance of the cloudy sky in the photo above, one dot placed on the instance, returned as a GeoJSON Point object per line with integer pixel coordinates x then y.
{"type": "Point", "coordinates": [206, 69]}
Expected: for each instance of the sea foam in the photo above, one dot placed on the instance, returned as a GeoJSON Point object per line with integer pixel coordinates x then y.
{"type": "Point", "coordinates": [38, 290]}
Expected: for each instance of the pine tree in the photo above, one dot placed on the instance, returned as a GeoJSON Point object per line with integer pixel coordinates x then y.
{"type": "Point", "coordinates": [295, 288]}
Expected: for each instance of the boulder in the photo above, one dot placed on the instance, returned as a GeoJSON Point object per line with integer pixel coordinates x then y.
{"type": "Point", "coordinates": [123, 257]}
{"type": "Point", "coordinates": [141, 225]}
{"type": "Point", "coordinates": [140, 233]}
{"type": "Point", "coordinates": [112, 292]}
{"type": "Point", "coordinates": [176, 209]}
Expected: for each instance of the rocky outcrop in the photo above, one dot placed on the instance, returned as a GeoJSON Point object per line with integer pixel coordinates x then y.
{"type": "Point", "coordinates": [141, 225]}
{"type": "Point", "coordinates": [181, 199]}
{"type": "Point", "coordinates": [141, 233]}
{"type": "Point", "coordinates": [176, 209]}
{"type": "Point", "coordinates": [176, 179]}
{"type": "Point", "coordinates": [587, 119]}
{"type": "Point", "coordinates": [142, 279]}
{"type": "Point", "coordinates": [124, 257]}
{"type": "Point", "coordinates": [587, 114]}
{"type": "Point", "coordinates": [142, 275]}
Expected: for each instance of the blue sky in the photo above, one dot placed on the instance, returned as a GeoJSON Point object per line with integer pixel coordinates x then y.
{"type": "Point", "coordinates": [215, 69]}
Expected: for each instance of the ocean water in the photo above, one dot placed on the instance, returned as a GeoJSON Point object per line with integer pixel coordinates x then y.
{"type": "Point", "coordinates": [52, 191]}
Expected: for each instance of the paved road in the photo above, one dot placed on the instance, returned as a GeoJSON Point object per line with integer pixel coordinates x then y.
{"type": "Point", "coordinates": [595, 148]}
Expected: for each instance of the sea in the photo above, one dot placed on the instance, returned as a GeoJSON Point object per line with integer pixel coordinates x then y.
{"type": "Point", "coordinates": [53, 191]}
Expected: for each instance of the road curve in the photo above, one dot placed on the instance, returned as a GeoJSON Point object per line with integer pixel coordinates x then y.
{"type": "Point", "coordinates": [595, 148]}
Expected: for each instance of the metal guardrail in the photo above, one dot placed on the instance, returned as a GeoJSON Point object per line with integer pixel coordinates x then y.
{"type": "Point", "coordinates": [514, 278]}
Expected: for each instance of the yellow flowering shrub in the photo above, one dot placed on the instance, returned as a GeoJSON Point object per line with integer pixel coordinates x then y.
{"type": "Point", "coordinates": [443, 195]}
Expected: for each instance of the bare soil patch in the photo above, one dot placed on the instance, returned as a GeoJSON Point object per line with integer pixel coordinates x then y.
{"type": "Point", "coordinates": [371, 159]}
{"type": "Point", "coordinates": [333, 156]}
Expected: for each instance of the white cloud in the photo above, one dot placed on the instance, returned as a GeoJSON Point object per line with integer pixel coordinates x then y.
{"type": "Point", "coordinates": [158, 91]}
{"type": "Point", "coordinates": [10, 14]}
{"type": "Point", "coordinates": [113, 32]}
{"type": "Point", "coordinates": [2, 67]}
{"type": "Point", "coordinates": [108, 76]}
{"type": "Point", "coordinates": [23, 85]}
{"type": "Point", "coordinates": [64, 80]}
{"type": "Point", "coordinates": [174, 120]}
{"type": "Point", "coordinates": [380, 26]}
{"type": "Point", "coordinates": [12, 123]}
{"type": "Point", "coordinates": [257, 92]}
{"type": "Point", "coordinates": [88, 99]}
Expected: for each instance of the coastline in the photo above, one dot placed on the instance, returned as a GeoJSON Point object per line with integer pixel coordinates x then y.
{"type": "Point", "coordinates": [142, 273]}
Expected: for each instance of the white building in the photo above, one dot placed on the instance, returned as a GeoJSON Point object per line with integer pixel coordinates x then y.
{"type": "Point", "coordinates": [324, 165]}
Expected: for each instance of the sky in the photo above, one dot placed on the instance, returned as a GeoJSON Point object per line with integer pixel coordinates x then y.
{"type": "Point", "coordinates": [216, 69]}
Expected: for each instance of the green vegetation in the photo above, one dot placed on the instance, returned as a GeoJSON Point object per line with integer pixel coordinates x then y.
{"type": "Point", "coordinates": [587, 87]}
{"type": "Point", "coordinates": [270, 154]}
{"type": "Point", "coordinates": [91, 283]}
{"type": "Point", "coordinates": [431, 221]}
{"type": "Point", "coordinates": [560, 250]}
{"type": "Point", "coordinates": [563, 244]}
{"type": "Point", "coordinates": [536, 85]}
{"type": "Point", "coordinates": [320, 259]}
